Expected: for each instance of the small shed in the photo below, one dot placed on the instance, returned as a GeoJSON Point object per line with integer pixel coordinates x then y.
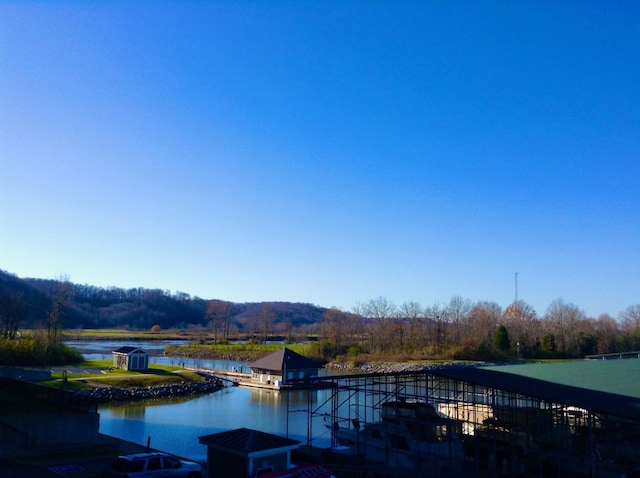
{"type": "Point", "coordinates": [285, 364]}
{"type": "Point", "coordinates": [244, 452]}
{"type": "Point", "coordinates": [130, 358]}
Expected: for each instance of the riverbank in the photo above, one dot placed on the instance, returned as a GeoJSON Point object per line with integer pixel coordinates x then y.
{"type": "Point", "coordinates": [117, 394]}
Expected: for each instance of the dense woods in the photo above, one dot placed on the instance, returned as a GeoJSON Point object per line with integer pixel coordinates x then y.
{"type": "Point", "coordinates": [456, 329]}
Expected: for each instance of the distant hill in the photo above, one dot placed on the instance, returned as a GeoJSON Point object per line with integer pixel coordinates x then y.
{"type": "Point", "coordinates": [138, 308]}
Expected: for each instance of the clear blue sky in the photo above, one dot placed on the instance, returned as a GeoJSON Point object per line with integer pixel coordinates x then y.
{"type": "Point", "coordinates": [328, 152]}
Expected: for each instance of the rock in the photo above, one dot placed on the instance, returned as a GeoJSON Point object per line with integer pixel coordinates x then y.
{"type": "Point", "coordinates": [390, 367]}
{"type": "Point", "coordinates": [111, 394]}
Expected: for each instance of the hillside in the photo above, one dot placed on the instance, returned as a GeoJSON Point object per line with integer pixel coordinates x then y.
{"type": "Point", "coordinates": [97, 307]}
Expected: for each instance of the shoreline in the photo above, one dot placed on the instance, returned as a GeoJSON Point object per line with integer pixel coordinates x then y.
{"type": "Point", "coordinates": [118, 394]}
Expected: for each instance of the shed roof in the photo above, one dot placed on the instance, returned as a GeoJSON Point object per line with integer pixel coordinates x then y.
{"type": "Point", "coordinates": [601, 386]}
{"type": "Point", "coordinates": [127, 349]}
{"type": "Point", "coordinates": [246, 441]}
{"type": "Point", "coordinates": [284, 356]}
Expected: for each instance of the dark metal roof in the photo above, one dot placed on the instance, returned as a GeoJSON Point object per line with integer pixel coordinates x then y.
{"type": "Point", "coordinates": [612, 376]}
{"type": "Point", "coordinates": [245, 441]}
{"type": "Point", "coordinates": [284, 358]}
{"type": "Point", "coordinates": [601, 386]}
{"type": "Point", "coordinates": [126, 349]}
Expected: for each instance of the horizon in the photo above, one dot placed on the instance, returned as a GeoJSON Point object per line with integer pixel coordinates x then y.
{"type": "Point", "coordinates": [443, 303]}
{"type": "Point", "coordinates": [325, 153]}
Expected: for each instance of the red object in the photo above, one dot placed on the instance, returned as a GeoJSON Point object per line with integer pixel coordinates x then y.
{"type": "Point", "coordinates": [307, 471]}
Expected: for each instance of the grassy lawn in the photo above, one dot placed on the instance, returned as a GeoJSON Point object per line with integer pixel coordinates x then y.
{"type": "Point", "coordinates": [116, 334]}
{"type": "Point", "coordinates": [230, 348]}
{"type": "Point", "coordinates": [100, 373]}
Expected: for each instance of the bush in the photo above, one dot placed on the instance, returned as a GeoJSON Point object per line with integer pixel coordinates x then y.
{"type": "Point", "coordinates": [31, 350]}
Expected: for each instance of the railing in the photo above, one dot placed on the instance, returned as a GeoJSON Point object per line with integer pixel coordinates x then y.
{"type": "Point", "coordinates": [18, 438]}
{"type": "Point", "coordinates": [614, 356]}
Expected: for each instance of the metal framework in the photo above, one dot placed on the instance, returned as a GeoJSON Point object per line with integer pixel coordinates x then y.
{"type": "Point", "coordinates": [503, 433]}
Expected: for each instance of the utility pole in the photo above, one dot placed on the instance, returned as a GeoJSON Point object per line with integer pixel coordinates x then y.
{"type": "Point", "coordinates": [516, 287]}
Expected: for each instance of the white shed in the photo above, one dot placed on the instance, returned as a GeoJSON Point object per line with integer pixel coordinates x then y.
{"type": "Point", "coordinates": [130, 358]}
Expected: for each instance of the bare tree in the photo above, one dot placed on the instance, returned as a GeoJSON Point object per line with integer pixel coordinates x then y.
{"type": "Point", "coordinates": [607, 331]}
{"type": "Point", "coordinates": [458, 313]}
{"type": "Point", "coordinates": [438, 321]}
{"type": "Point", "coordinates": [334, 327]}
{"type": "Point", "coordinates": [523, 326]}
{"type": "Point", "coordinates": [59, 294]}
{"type": "Point", "coordinates": [482, 324]}
{"type": "Point", "coordinates": [562, 320]}
{"type": "Point", "coordinates": [630, 318]}
{"type": "Point", "coordinates": [14, 309]}
{"type": "Point", "coordinates": [218, 315]}
{"type": "Point", "coordinates": [417, 325]}
{"type": "Point", "coordinates": [384, 331]}
{"type": "Point", "coordinates": [266, 319]}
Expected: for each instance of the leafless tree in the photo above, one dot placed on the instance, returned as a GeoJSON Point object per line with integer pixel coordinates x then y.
{"type": "Point", "coordinates": [13, 311]}
{"type": "Point", "coordinates": [482, 324]}
{"type": "Point", "coordinates": [333, 326]}
{"type": "Point", "coordinates": [563, 320]}
{"type": "Point", "coordinates": [436, 315]}
{"type": "Point", "coordinates": [59, 294]}
{"type": "Point", "coordinates": [522, 324]}
{"type": "Point", "coordinates": [630, 319]}
{"type": "Point", "coordinates": [458, 312]}
{"type": "Point", "coordinates": [417, 325]}
{"type": "Point", "coordinates": [218, 315]}
{"type": "Point", "coordinates": [384, 331]}
{"type": "Point", "coordinates": [607, 331]}
{"type": "Point", "coordinates": [266, 319]}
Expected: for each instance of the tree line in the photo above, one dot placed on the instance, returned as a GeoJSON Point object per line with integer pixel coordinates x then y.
{"type": "Point", "coordinates": [457, 329]}
{"type": "Point", "coordinates": [480, 330]}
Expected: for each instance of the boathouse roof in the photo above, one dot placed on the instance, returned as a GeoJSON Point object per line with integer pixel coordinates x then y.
{"type": "Point", "coordinates": [284, 358]}
{"type": "Point", "coordinates": [246, 441]}
{"type": "Point", "coordinates": [604, 386]}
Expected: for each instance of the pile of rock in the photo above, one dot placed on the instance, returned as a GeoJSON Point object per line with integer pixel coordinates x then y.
{"type": "Point", "coordinates": [391, 367]}
{"type": "Point", "coordinates": [112, 394]}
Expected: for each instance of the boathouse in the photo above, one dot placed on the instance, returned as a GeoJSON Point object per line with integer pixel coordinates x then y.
{"type": "Point", "coordinates": [243, 452]}
{"type": "Point", "coordinates": [130, 358]}
{"type": "Point", "coordinates": [282, 366]}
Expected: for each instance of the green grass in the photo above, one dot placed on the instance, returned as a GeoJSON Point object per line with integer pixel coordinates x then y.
{"type": "Point", "coordinates": [108, 376]}
{"type": "Point", "coordinates": [124, 333]}
{"type": "Point", "coordinates": [230, 348]}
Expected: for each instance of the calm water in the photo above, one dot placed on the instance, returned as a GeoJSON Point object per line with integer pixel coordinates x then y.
{"type": "Point", "coordinates": [175, 424]}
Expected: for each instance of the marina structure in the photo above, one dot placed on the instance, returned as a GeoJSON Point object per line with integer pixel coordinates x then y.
{"type": "Point", "coordinates": [577, 418]}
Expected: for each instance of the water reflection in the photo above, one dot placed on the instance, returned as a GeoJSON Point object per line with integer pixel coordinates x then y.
{"type": "Point", "coordinates": [174, 424]}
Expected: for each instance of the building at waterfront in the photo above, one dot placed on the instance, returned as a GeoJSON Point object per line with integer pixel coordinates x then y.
{"type": "Point", "coordinates": [279, 367]}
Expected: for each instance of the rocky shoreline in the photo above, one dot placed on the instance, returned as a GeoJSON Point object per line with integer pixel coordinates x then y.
{"type": "Point", "coordinates": [117, 394]}
{"type": "Point", "coordinates": [390, 367]}
{"type": "Point", "coordinates": [213, 383]}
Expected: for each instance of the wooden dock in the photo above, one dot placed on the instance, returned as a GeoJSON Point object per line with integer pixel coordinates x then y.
{"type": "Point", "coordinates": [243, 379]}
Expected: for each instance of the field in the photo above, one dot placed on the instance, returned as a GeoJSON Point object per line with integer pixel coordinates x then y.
{"type": "Point", "coordinates": [100, 373]}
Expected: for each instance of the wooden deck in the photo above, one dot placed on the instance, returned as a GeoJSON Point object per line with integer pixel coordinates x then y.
{"type": "Point", "coordinates": [243, 379]}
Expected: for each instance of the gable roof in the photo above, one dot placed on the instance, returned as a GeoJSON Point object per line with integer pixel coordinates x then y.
{"type": "Point", "coordinates": [126, 349]}
{"type": "Point", "coordinates": [278, 360]}
{"type": "Point", "coordinates": [246, 441]}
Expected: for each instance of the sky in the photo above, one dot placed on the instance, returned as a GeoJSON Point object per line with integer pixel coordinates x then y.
{"type": "Point", "coordinates": [329, 152]}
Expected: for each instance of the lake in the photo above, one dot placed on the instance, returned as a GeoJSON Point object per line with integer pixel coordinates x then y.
{"type": "Point", "coordinates": [174, 424]}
